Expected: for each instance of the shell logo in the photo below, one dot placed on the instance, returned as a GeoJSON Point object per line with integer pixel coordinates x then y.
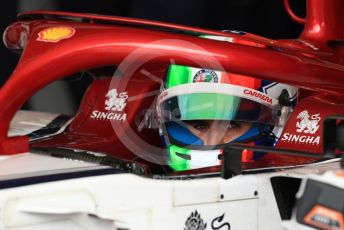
{"type": "Point", "coordinates": [55, 34]}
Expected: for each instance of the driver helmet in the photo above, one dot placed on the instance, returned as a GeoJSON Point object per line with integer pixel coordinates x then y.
{"type": "Point", "coordinates": [199, 108]}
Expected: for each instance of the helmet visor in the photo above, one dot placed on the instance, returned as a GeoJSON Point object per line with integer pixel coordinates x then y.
{"type": "Point", "coordinates": [227, 113]}
{"type": "Point", "coordinates": [214, 106]}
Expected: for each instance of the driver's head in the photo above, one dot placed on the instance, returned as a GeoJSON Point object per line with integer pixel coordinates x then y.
{"type": "Point", "coordinates": [217, 132]}
{"type": "Point", "coordinates": [200, 107]}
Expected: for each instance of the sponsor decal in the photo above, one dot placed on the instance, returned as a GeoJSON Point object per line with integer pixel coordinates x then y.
{"type": "Point", "coordinates": [115, 103]}
{"type": "Point", "coordinates": [195, 222]}
{"type": "Point", "coordinates": [217, 221]}
{"type": "Point", "coordinates": [302, 139]}
{"type": "Point", "coordinates": [324, 218]}
{"type": "Point", "coordinates": [206, 75]}
{"type": "Point", "coordinates": [261, 96]}
{"type": "Point", "coordinates": [307, 124]}
{"type": "Point", "coordinates": [55, 34]}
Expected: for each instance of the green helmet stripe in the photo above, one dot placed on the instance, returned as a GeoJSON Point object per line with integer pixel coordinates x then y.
{"type": "Point", "coordinates": [176, 162]}
{"type": "Point", "coordinates": [177, 75]}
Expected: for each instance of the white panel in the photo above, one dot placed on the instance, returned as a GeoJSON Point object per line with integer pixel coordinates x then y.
{"type": "Point", "coordinates": [79, 222]}
{"type": "Point", "coordinates": [17, 166]}
{"type": "Point", "coordinates": [195, 191]}
{"type": "Point", "coordinates": [269, 217]}
{"type": "Point", "coordinates": [143, 203]}
{"type": "Point", "coordinates": [239, 187]}
{"type": "Point", "coordinates": [53, 225]}
{"type": "Point", "coordinates": [58, 203]}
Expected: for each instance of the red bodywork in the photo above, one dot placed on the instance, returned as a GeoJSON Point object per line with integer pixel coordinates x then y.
{"type": "Point", "coordinates": [314, 62]}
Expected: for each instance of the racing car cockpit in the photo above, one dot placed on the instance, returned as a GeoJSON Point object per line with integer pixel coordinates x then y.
{"type": "Point", "coordinates": [173, 98]}
{"type": "Point", "coordinates": [189, 122]}
{"type": "Point", "coordinates": [181, 107]}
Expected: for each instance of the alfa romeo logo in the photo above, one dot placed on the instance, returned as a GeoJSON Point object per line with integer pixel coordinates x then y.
{"type": "Point", "coordinates": [206, 75]}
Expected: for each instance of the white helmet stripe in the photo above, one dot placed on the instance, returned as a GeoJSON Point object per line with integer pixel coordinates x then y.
{"type": "Point", "coordinates": [219, 88]}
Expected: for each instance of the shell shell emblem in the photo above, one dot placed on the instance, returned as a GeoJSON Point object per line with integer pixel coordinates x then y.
{"type": "Point", "coordinates": [55, 34]}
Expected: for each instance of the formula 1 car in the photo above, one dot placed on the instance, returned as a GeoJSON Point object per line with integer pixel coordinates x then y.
{"type": "Point", "coordinates": [106, 167]}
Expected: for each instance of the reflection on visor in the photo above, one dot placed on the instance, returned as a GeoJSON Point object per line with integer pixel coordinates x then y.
{"type": "Point", "coordinates": [213, 106]}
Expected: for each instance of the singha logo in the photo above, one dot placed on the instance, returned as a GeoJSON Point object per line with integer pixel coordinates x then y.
{"type": "Point", "coordinates": [115, 101]}
{"type": "Point", "coordinates": [307, 123]}
{"type": "Point", "coordinates": [195, 222]}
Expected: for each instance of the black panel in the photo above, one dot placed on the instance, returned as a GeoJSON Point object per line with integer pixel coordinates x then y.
{"type": "Point", "coordinates": [8, 12]}
{"type": "Point", "coordinates": [285, 189]}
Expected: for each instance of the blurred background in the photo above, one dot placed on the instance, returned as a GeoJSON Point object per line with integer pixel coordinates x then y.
{"type": "Point", "coordinates": [263, 17]}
